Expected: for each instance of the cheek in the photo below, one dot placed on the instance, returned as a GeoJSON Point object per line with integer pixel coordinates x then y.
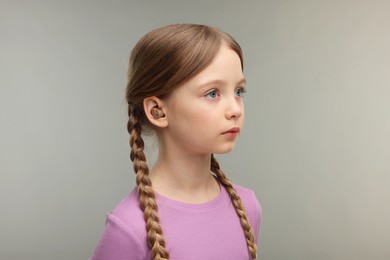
{"type": "Point", "coordinates": [189, 118]}
{"type": "Point", "coordinates": [199, 111]}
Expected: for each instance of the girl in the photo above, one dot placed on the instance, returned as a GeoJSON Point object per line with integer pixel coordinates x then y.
{"type": "Point", "coordinates": [186, 85]}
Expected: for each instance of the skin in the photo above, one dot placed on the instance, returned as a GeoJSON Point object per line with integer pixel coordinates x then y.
{"type": "Point", "coordinates": [198, 117]}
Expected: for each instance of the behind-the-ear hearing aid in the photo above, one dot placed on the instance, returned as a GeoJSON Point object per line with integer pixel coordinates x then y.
{"type": "Point", "coordinates": [157, 113]}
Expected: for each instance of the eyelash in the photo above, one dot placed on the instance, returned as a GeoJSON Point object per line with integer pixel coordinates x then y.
{"type": "Point", "coordinates": [212, 92]}
{"type": "Point", "coordinates": [240, 90]}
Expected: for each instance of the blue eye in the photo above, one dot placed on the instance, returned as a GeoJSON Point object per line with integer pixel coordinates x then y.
{"type": "Point", "coordinates": [239, 92]}
{"type": "Point", "coordinates": [212, 94]}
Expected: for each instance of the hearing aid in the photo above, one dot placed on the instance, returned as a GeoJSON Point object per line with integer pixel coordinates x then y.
{"type": "Point", "coordinates": [157, 113]}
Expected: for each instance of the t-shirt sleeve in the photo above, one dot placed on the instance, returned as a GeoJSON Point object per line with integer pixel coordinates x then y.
{"type": "Point", "coordinates": [258, 218]}
{"type": "Point", "coordinates": [253, 209]}
{"type": "Point", "coordinates": [118, 242]}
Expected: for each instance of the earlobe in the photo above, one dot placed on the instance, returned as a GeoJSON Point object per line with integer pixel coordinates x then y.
{"type": "Point", "coordinates": [154, 110]}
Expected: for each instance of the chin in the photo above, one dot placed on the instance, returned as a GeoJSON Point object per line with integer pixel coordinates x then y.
{"type": "Point", "coordinates": [224, 150]}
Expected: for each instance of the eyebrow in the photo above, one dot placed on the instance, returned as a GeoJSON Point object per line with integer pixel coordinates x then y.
{"type": "Point", "coordinates": [217, 81]}
{"type": "Point", "coordinates": [243, 81]}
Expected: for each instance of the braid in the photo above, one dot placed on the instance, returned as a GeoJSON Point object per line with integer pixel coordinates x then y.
{"type": "Point", "coordinates": [146, 195]}
{"type": "Point", "coordinates": [238, 205]}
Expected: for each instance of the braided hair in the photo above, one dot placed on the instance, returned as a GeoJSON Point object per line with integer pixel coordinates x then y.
{"type": "Point", "coordinates": [238, 205]}
{"type": "Point", "coordinates": [146, 195]}
{"type": "Point", "coordinates": [161, 61]}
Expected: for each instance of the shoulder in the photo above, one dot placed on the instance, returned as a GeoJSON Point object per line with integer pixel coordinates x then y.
{"type": "Point", "coordinates": [248, 197]}
{"type": "Point", "coordinates": [124, 234]}
{"type": "Point", "coordinates": [252, 207]}
{"type": "Point", "coordinates": [129, 215]}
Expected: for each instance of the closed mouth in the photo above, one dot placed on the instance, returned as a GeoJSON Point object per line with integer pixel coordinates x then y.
{"type": "Point", "coordinates": [232, 130]}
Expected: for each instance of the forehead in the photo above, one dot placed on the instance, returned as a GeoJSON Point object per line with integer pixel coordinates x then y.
{"type": "Point", "coordinates": [225, 67]}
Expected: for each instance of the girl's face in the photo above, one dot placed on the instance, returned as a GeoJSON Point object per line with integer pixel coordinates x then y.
{"type": "Point", "coordinates": [205, 114]}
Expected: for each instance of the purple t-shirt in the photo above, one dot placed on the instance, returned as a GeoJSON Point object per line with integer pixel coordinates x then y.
{"type": "Point", "coordinates": [206, 231]}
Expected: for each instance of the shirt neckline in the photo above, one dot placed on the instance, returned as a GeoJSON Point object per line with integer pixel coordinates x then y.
{"type": "Point", "coordinates": [165, 201]}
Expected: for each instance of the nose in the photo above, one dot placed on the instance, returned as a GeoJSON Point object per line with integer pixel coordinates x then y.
{"type": "Point", "coordinates": [235, 108]}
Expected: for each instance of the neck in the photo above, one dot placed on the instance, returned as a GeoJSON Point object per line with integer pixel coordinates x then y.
{"type": "Point", "coordinates": [184, 177]}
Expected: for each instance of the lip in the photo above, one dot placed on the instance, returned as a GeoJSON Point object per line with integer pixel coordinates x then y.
{"type": "Point", "coordinates": [234, 130]}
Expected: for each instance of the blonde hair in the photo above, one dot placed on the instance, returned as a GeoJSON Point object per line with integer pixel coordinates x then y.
{"type": "Point", "coordinates": [162, 60]}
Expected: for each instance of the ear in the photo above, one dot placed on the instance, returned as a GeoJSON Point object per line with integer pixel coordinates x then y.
{"type": "Point", "coordinates": [154, 111]}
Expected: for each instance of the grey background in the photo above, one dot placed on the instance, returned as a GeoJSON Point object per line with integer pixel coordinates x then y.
{"type": "Point", "coordinates": [316, 147]}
